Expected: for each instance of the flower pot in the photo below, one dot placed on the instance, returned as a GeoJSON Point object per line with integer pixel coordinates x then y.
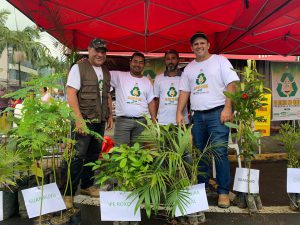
{"type": "Point", "coordinates": [10, 204]}
{"type": "Point", "coordinates": [294, 201]}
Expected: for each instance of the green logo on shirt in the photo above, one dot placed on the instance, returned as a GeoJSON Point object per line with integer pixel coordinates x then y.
{"type": "Point", "coordinates": [135, 91]}
{"type": "Point", "coordinates": [172, 91]}
{"type": "Point", "coordinates": [200, 79]}
{"type": "Point", "coordinates": [100, 85]}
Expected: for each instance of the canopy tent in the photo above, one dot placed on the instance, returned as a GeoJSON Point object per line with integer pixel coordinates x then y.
{"type": "Point", "coordinates": [265, 27]}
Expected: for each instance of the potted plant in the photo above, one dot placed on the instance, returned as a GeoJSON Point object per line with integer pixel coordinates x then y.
{"type": "Point", "coordinates": [157, 168]}
{"type": "Point", "coordinates": [12, 163]}
{"type": "Point", "coordinates": [290, 137]}
{"type": "Point", "coordinates": [41, 130]}
{"type": "Point", "coordinates": [247, 98]}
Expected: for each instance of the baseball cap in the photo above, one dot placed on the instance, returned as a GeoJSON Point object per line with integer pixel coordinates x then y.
{"type": "Point", "coordinates": [198, 35]}
{"type": "Point", "coordinates": [98, 45]}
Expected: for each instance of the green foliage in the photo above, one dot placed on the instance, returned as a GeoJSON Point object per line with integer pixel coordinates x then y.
{"type": "Point", "coordinates": [246, 100]}
{"type": "Point", "coordinates": [290, 137]}
{"type": "Point", "coordinates": [157, 169]}
{"type": "Point", "coordinates": [12, 164]}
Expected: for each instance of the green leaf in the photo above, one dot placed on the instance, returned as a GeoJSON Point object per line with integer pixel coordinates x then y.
{"type": "Point", "coordinates": [123, 163]}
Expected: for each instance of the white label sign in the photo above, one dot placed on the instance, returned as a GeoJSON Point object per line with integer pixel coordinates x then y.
{"type": "Point", "coordinates": [198, 200]}
{"type": "Point", "coordinates": [241, 180]}
{"type": "Point", "coordinates": [116, 206]}
{"type": "Point", "coordinates": [293, 180]}
{"type": "Point", "coordinates": [52, 200]}
{"type": "Point", "coordinates": [1, 205]}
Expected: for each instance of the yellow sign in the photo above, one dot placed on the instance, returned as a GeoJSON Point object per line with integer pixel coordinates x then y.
{"type": "Point", "coordinates": [264, 123]}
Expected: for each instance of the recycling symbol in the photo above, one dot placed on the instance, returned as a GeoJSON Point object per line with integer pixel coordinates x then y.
{"type": "Point", "coordinates": [287, 86]}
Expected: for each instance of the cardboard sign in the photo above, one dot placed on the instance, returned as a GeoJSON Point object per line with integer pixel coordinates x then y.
{"type": "Point", "coordinates": [198, 200]}
{"type": "Point", "coordinates": [52, 200]}
{"type": "Point", "coordinates": [115, 206]}
{"type": "Point", "coordinates": [1, 205]}
{"type": "Point", "coordinates": [293, 180]}
{"type": "Point", "coordinates": [241, 180]}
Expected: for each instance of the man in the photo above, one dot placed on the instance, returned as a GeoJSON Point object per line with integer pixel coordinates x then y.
{"type": "Point", "coordinates": [204, 80]}
{"type": "Point", "coordinates": [134, 100]}
{"type": "Point", "coordinates": [88, 94]}
{"type": "Point", "coordinates": [166, 90]}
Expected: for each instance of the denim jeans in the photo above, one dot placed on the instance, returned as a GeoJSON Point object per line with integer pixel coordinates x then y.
{"type": "Point", "coordinates": [87, 149]}
{"type": "Point", "coordinates": [207, 129]}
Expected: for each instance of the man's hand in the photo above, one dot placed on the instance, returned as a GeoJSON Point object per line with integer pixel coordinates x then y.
{"type": "Point", "coordinates": [226, 115]}
{"type": "Point", "coordinates": [80, 127]}
{"type": "Point", "coordinates": [179, 118]}
{"type": "Point", "coordinates": [110, 123]}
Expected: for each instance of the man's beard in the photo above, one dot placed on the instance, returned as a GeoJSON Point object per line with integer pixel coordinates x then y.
{"type": "Point", "coordinates": [171, 67]}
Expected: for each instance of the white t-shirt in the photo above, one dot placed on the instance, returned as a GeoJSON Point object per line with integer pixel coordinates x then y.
{"type": "Point", "coordinates": [206, 81]}
{"type": "Point", "coordinates": [166, 89]}
{"type": "Point", "coordinates": [132, 94]}
{"type": "Point", "coordinates": [74, 77]}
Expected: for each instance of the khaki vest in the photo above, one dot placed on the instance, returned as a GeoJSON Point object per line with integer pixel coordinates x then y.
{"type": "Point", "coordinates": [90, 104]}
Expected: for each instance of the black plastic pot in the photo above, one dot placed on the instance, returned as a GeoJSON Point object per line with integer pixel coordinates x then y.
{"type": "Point", "coordinates": [10, 201]}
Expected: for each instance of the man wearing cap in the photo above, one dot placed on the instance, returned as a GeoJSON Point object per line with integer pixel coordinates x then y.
{"type": "Point", "coordinates": [88, 94]}
{"type": "Point", "coordinates": [204, 80]}
{"type": "Point", "coordinates": [134, 100]}
{"type": "Point", "coordinates": [166, 90]}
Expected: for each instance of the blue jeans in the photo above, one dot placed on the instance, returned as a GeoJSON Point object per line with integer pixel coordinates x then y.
{"type": "Point", "coordinates": [208, 129]}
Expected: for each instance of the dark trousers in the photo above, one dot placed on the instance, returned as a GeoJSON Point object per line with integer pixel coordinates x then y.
{"type": "Point", "coordinates": [87, 149]}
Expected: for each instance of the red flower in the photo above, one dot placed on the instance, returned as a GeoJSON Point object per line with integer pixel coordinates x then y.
{"type": "Point", "coordinates": [244, 96]}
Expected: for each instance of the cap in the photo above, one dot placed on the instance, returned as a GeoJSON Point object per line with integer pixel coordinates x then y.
{"type": "Point", "coordinates": [98, 44]}
{"type": "Point", "coordinates": [198, 35]}
{"type": "Point", "coordinates": [172, 51]}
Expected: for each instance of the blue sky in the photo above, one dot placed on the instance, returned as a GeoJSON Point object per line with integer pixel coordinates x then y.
{"type": "Point", "coordinates": [18, 20]}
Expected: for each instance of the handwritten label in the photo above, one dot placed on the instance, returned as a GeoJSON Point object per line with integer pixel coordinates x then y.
{"type": "Point", "coordinates": [242, 182]}
{"type": "Point", "coordinates": [51, 198]}
{"type": "Point", "coordinates": [1, 205]}
{"type": "Point", "coordinates": [293, 180]}
{"type": "Point", "coordinates": [116, 206]}
{"type": "Point", "coordinates": [197, 202]}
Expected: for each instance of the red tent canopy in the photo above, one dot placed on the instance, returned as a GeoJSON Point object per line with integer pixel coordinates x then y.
{"type": "Point", "coordinates": [266, 27]}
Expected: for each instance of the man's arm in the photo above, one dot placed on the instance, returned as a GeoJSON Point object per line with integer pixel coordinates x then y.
{"type": "Point", "coordinates": [152, 110]}
{"type": "Point", "coordinates": [226, 114]}
{"type": "Point", "coordinates": [73, 103]}
{"type": "Point", "coordinates": [110, 116]}
{"type": "Point", "coordinates": [182, 101]}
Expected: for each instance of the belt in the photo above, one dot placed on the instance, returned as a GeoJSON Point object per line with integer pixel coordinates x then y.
{"type": "Point", "coordinates": [210, 110]}
{"type": "Point", "coordinates": [131, 117]}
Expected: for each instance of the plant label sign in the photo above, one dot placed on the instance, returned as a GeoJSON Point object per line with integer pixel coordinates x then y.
{"type": "Point", "coordinates": [52, 200]}
{"type": "Point", "coordinates": [293, 180]}
{"type": "Point", "coordinates": [116, 206]}
{"type": "Point", "coordinates": [241, 181]}
{"type": "Point", "coordinates": [198, 200]}
{"type": "Point", "coordinates": [1, 205]}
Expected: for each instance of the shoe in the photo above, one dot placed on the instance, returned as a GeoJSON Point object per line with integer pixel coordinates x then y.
{"type": "Point", "coordinates": [223, 201]}
{"type": "Point", "coordinates": [91, 191]}
{"type": "Point", "coordinates": [68, 202]}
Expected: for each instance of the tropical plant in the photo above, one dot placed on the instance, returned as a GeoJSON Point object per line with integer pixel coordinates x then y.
{"type": "Point", "coordinates": [157, 169]}
{"type": "Point", "coordinates": [290, 137]}
{"type": "Point", "coordinates": [12, 164]}
{"type": "Point", "coordinates": [247, 99]}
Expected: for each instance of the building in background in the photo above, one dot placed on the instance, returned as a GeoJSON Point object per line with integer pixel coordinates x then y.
{"type": "Point", "coordinates": [13, 74]}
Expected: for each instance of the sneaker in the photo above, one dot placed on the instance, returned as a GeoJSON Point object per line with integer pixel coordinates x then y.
{"type": "Point", "coordinates": [91, 191]}
{"type": "Point", "coordinates": [223, 201]}
{"type": "Point", "coordinates": [68, 202]}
